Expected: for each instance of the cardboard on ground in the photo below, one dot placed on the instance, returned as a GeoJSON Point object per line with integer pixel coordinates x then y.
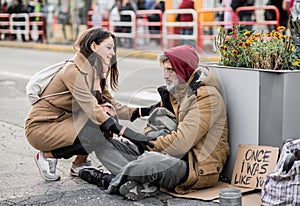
{"type": "Point", "coordinates": [254, 162]}
{"type": "Point", "coordinates": [207, 194]}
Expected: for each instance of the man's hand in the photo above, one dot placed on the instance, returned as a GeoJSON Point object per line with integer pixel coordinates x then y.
{"type": "Point", "coordinates": [142, 111]}
{"type": "Point", "coordinates": [140, 140]}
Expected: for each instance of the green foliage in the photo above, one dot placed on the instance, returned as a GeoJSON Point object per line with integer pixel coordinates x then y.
{"type": "Point", "coordinates": [274, 50]}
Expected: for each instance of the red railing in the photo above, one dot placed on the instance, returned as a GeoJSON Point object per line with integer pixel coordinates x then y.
{"type": "Point", "coordinates": [255, 8]}
{"type": "Point", "coordinates": [7, 23]}
{"type": "Point", "coordinates": [98, 19]}
{"type": "Point", "coordinates": [23, 23]}
{"type": "Point", "coordinates": [4, 24]}
{"type": "Point", "coordinates": [143, 16]}
{"type": "Point", "coordinates": [213, 23]}
{"type": "Point", "coordinates": [37, 25]}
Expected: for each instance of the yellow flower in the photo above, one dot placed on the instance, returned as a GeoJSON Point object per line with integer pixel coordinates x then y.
{"type": "Point", "coordinates": [233, 52]}
{"type": "Point", "coordinates": [293, 47]}
{"type": "Point", "coordinates": [258, 34]}
{"type": "Point", "coordinates": [265, 50]}
{"type": "Point", "coordinates": [247, 33]}
{"type": "Point", "coordinates": [281, 28]}
{"type": "Point", "coordinates": [224, 47]}
{"type": "Point", "coordinates": [248, 42]}
{"type": "Point", "coordinates": [277, 34]}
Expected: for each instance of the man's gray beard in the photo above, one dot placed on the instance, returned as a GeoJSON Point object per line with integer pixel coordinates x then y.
{"type": "Point", "coordinates": [171, 87]}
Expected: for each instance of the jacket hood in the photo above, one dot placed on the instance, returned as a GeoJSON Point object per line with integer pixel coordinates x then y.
{"type": "Point", "coordinates": [184, 59]}
{"type": "Point", "coordinates": [202, 76]}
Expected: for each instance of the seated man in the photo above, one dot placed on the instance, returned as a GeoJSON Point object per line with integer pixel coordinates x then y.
{"type": "Point", "coordinates": [189, 157]}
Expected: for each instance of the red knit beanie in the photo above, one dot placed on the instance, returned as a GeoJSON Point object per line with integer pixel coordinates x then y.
{"type": "Point", "coordinates": [184, 59]}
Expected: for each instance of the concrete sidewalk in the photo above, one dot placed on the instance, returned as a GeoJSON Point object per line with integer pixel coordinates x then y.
{"type": "Point", "coordinates": [20, 181]}
{"type": "Point", "coordinates": [21, 184]}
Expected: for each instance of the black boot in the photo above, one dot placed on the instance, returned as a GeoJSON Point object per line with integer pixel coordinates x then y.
{"type": "Point", "coordinates": [96, 177]}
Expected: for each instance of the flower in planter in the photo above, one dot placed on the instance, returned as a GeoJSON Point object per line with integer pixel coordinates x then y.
{"type": "Point", "coordinates": [243, 48]}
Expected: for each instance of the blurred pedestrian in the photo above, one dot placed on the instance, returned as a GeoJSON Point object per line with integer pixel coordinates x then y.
{"type": "Point", "coordinates": [126, 6]}
{"type": "Point", "coordinates": [40, 9]}
{"type": "Point", "coordinates": [287, 5]}
{"type": "Point", "coordinates": [4, 7]}
{"type": "Point", "coordinates": [140, 4]}
{"type": "Point", "coordinates": [114, 11]}
{"type": "Point", "coordinates": [244, 15]}
{"type": "Point", "coordinates": [186, 4]}
{"type": "Point", "coordinates": [271, 15]}
{"type": "Point", "coordinates": [227, 15]}
{"type": "Point", "coordinates": [63, 16]}
{"type": "Point", "coordinates": [158, 5]}
{"type": "Point", "coordinates": [4, 19]}
{"type": "Point", "coordinates": [97, 16]}
{"type": "Point", "coordinates": [149, 4]}
{"type": "Point", "coordinates": [17, 7]}
{"type": "Point", "coordinates": [295, 10]}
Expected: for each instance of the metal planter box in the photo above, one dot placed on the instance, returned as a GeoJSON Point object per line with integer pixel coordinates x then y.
{"type": "Point", "coordinates": [263, 106]}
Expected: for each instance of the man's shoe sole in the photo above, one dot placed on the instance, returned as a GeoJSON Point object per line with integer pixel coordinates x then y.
{"type": "Point", "coordinates": [131, 189]}
{"type": "Point", "coordinates": [135, 191]}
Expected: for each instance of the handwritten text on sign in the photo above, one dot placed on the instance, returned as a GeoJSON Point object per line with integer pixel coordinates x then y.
{"type": "Point", "coordinates": [253, 164]}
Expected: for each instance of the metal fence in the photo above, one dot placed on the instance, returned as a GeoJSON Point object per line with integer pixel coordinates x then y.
{"type": "Point", "coordinates": [138, 26]}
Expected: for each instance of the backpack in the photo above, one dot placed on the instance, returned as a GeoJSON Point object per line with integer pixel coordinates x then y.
{"type": "Point", "coordinates": [40, 80]}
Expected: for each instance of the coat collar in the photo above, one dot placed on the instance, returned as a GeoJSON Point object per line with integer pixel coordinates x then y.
{"type": "Point", "coordinates": [189, 87]}
{"type": "Point", "coordinates": [84, 67]}
{"type": "Point", "coordinates": [194, 83]}
{"type": "Point", "coordinates": [82, 63]}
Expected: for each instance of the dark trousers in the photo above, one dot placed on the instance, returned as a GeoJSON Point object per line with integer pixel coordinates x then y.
{"type": "Point", "coordinates": [113, 153]}
{"type": "Point", "coordinates": [124, 161]}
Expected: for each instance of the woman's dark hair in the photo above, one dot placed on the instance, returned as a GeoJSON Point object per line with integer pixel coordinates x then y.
{"type": "Point", "coordinates": [83, 45]}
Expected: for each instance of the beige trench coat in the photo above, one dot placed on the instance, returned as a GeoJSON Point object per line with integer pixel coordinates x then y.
{"type": "Point", "coordinates": [55, 122]}
{"type": "Point", "coordinates": [202, 133]}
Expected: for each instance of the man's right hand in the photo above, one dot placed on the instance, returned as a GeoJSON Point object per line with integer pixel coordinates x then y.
{"type": "Point", "coordinates": [140, 140]}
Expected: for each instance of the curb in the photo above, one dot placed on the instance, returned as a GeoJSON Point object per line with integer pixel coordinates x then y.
{"type": "Point", "coordinates": [147, 54]}
{"type": "Point", "coordinates": [38, 46]}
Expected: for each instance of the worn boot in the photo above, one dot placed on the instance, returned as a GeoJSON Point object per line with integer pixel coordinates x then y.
{"type": "Point", "coordinates": [96, 176]}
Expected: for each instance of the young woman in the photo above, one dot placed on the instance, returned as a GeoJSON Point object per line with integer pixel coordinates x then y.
{"type": "Point", "coordinates": [61, 126]}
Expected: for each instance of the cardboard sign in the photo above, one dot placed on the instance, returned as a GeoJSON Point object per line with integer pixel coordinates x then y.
{"type": "Point", "coordinates": [253, 163]}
